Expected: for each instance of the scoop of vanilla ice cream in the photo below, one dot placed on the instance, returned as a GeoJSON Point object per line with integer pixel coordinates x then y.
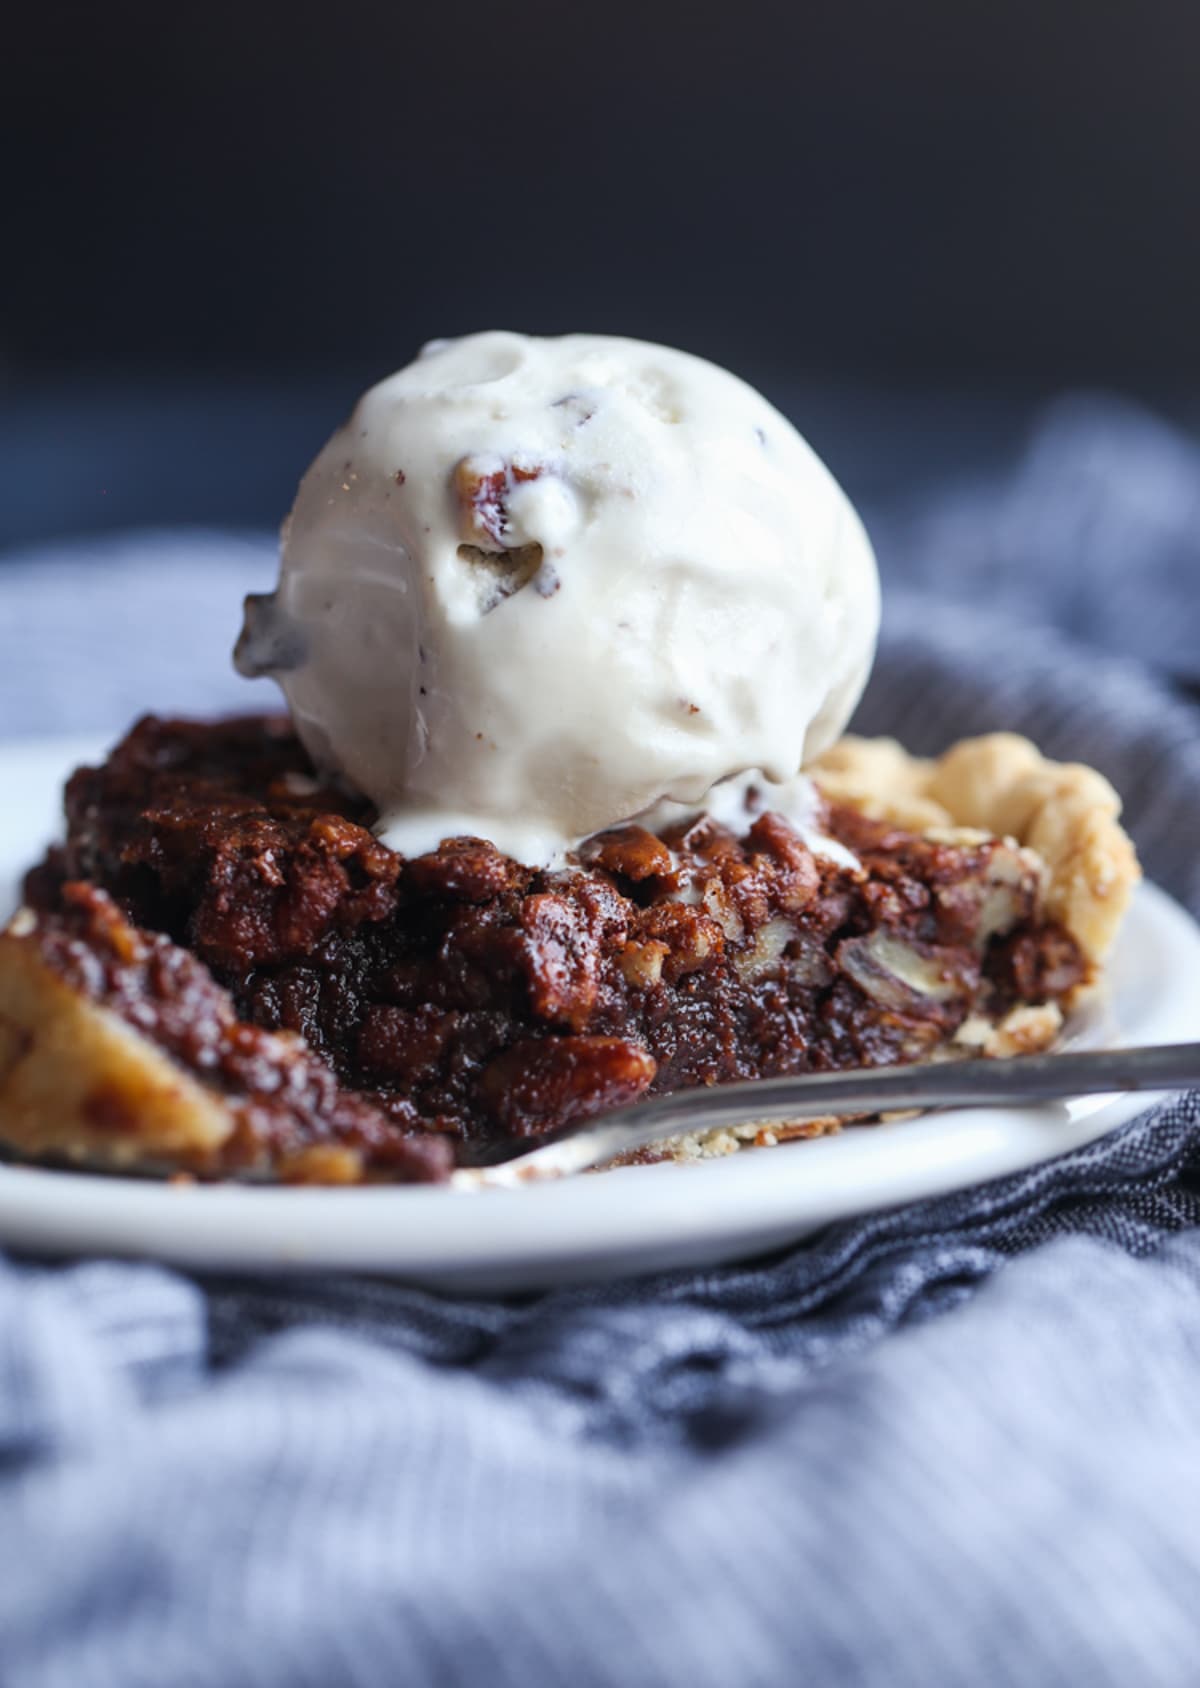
{"type": "Point", "coordinates": [533, 586]}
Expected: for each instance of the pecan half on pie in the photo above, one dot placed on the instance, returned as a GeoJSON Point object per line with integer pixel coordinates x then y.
{"type": "Point", "coordinates": [222, 971]}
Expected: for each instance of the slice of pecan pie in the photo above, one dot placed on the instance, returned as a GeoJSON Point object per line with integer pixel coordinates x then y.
{"type": "Point", "coordinates": [221, 971]}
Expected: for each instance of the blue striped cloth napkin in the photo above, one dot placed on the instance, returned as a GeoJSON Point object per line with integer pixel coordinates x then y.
{"type": "Point", "coordinates": [954, 1443]}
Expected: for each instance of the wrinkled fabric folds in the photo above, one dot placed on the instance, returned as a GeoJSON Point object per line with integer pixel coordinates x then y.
{"type": "Point", "coordinates": [955, 1442]}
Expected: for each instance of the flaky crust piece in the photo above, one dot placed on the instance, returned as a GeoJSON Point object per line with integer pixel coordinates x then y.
{"type": "Point", "coordinates": [77, 1082]}
{"type": "Point", "coordinates": [1067, 814]}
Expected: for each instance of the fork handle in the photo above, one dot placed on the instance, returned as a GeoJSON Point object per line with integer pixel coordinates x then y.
{"type": "Point", "coordinates": [969, 1083]}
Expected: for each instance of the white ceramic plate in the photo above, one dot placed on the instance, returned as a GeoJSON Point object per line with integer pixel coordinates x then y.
{"type": "Point", "coordinates": [632, 1220]}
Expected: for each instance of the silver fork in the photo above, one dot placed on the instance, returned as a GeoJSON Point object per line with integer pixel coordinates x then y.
{"type": "Point", "coordinates": [867, 1090]}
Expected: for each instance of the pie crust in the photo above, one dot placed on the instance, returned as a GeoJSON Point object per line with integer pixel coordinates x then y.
{"type": "Point", "coordinates": [1001, 784]}
{"type": "Point", "coordinates": [78, 1082]}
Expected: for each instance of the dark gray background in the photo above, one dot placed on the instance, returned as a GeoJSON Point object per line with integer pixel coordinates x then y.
{"type": "Point", "coordinates": [907, 222]}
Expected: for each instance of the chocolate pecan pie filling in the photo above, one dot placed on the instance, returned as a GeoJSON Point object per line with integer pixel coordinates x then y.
{"type": "Point", "coordinates": [220, 900]}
